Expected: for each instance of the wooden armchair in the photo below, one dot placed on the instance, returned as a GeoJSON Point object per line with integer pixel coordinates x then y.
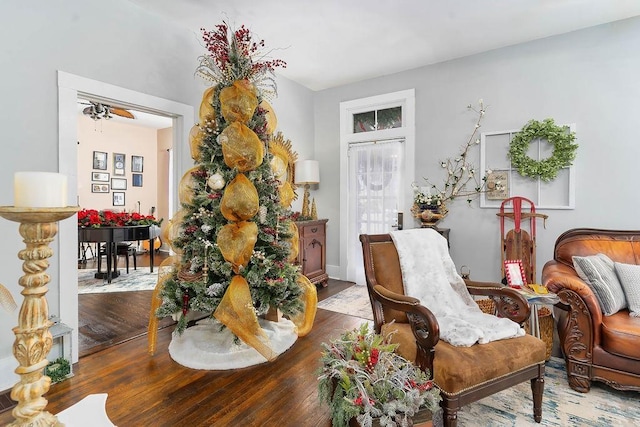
{"type": "Point", "coordinates": [464, 374]}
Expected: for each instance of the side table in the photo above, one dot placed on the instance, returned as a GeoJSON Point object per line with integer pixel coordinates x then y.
{"type": "Point", "coordinates": [536, 302]}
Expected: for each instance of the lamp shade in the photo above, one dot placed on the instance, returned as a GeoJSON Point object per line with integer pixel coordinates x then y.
{"type": "Point", "coordinates": [307, 172]}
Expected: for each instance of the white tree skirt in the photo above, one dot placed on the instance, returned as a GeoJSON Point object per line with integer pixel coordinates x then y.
{"type": "Point", "coordinates": [204, 346]}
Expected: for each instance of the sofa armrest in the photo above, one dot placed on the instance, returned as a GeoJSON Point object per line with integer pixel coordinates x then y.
{"type": "Point", "coordinates": [423, 323]}
{"type": "Point", "coordinates": [509, 302]}
{"type": "Point", "coordinates": [579, 328]}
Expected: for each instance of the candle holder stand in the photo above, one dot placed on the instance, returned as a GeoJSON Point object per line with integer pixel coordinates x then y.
{"type": "Point", "coordinates": [38, 227]}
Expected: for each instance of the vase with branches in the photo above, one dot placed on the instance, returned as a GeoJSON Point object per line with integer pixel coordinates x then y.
{"type": "Point", "coordinates": [461, 181]}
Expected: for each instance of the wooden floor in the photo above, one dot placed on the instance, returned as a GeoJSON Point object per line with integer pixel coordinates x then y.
{"type": "Point", "coordinates": [156, 391]}
{"type": "Point", "coordinates": [106, 319]}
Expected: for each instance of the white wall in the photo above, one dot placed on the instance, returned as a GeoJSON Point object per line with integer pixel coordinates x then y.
{"type": "Point", "coordinates": [588, 77]}
{"type": "Point", "coordinates": [113, 42]}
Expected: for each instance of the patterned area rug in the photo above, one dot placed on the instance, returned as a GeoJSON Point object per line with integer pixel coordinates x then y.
{"type": "Point", "coordinates": [137, 280]}
{"type": "Point", "coordinates": [353, 301]}
{"type": "Point", "coordinates": [561, 406]}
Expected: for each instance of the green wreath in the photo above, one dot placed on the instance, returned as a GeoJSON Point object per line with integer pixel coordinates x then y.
{"type": "Point", "coordinates": [564, 150]}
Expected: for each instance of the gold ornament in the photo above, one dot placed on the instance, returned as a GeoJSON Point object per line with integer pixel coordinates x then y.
{"type": "Point", "coordinates": [314, 212]}
{"type": "Point", "coordinates": [195, 141]}
{"type": "Point", "coordinates": [240, 199]}
{"type": "Point", "coordinates": [186, 186]}
{"type": "Point", "coordinates": [287, 195]}
{"type": "Point", "coordinates": [236, 312]}
{"type": "Point", "coordinates": [173, 229]}
{"type": "Point", "coordinates": [295, 242]}
{"type": "Point", "coordinates": [241, 147]}
{"type": "Point", "coordinates": [283, 160]}
{"type": "Point", "coordinates": [236, 242]}
{"type": "Point", "coordinates": [207, 112]}
{"type": "Point", "coordinates": [165, 272]}
{"type": "Point", "coordinates": [270, 116]}
{"type": "Point", "coordinates": [238, 102]}
{"type": "Point", "coordinates": [279, 168]}
{"type": "Point", "coordinates": [304, 319]}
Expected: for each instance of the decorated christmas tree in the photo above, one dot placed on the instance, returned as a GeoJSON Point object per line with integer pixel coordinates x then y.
{"type": "Point", "coordinates": [234, 237]}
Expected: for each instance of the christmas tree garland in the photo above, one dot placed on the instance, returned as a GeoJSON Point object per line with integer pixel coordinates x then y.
{"type": "Point", "coordinates": [564, 150]}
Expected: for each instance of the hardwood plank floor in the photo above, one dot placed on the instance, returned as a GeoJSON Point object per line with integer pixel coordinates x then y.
{"type": "Point", "coordinates": [156, 391]}
{"type": "Point", "coordinates": [107, 319]}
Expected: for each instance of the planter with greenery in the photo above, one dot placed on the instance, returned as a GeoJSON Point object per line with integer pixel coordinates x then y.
{"type": "Point", "coordinates": [363, 379]}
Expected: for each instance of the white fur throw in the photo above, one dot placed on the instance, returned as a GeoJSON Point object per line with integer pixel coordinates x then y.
{"type": "Point", "coordinates": [430, 275]}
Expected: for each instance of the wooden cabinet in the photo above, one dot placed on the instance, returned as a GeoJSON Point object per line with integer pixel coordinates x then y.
{"type": "Point", "coordinates": [312, 254]}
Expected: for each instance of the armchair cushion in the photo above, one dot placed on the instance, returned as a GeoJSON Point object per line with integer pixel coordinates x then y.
{"type": "Point", "coordinates": [456, 369]}
{"type": "Point", "coordinates": [599, 273]}
{"type": "Point", "coordinates": [629, 275]}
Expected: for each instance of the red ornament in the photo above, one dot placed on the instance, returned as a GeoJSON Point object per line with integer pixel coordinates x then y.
{"type": "Point", "coordinates": [185, 304]}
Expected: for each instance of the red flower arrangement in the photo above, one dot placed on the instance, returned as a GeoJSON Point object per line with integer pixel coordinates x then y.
{"type": "Point", "coordinates": [106, 218]}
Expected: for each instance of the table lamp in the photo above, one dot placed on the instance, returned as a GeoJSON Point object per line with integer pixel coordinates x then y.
{"type": "Point", "coordinates": [307, 172]}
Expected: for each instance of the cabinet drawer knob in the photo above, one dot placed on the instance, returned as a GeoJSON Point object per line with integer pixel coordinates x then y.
{"type": "Point", "coordinates": [314, 229]}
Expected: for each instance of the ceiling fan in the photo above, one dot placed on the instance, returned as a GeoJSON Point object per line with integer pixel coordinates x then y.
{"type": "Point", "coordinates": [98, 110]}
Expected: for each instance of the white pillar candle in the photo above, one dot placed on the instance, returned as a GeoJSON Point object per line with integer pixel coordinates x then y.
{"type": "Point", "coordinates": [39, 190]}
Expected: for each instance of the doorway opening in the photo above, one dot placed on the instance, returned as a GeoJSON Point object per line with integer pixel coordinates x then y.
{"type": "Point", "coordinates": [377, 146]}
{"type": "Point", "coordinates": [70, 89]}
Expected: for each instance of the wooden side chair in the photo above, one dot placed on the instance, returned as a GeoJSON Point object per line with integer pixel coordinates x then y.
{"type": "Point", "coordinates": [464, 374]}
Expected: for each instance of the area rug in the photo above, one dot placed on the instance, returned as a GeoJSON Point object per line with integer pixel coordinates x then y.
{"type": "Point", "coordinates": [91, 410]}
{"type": "Point", "coordinates": [137, 280]}
{"type": "Point", "coordinates": [561, 405]}
{"type": "Point", "coordinates": [353, 301]}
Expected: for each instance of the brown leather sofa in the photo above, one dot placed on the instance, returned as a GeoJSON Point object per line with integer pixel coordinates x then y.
{"type": "Point", "coordinates": [595, 347]}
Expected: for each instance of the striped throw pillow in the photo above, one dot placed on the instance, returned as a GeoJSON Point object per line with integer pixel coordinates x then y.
{"type": "Point", "coordinates": [629, 275]}
{"type": "Point", "coordinates": [598, 271]}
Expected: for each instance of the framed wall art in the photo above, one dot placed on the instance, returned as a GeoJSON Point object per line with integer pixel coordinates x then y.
{"type": "Point", "coordinates": [118, 184]}
{"type": "Point", "coordinates": [118, 164]}
{"type": "Point", "coordinates": [99, 188]}
{"type": "Point", "coordinates": [100, 160]}
{"type": "Point", "coordinates": [100, 176]}
{"type": "Point", "coordinates": [514, 273]}
{"type": "Point", "coordinates": [137, 163]}
{"type": "Point", "coordinates": [118, 198]}
{"type": "Point", "coordinates": [136, 180]}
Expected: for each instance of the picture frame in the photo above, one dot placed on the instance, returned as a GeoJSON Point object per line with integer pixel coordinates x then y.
{"type": "Point", "coordinates": [118, 183]}
{"type": "Point", "coordinates": [118, 198]}
{"type": "Point", "coordinates": [100, 160]}
{"type": "Point", "coordinates": [514, 273]}
{"type": "Point", "coordinates": [99, 188]}
{"type": "Point", "coordinates": [136, 180]}
{"type": "Point", "coordinates": [497, 185]}
{"type": "Point", "coordinates": [100, 176]}
{"type": "Point", "coordinates": [119, 163]}
{"type": "Point", "coordinates": [137, 163]}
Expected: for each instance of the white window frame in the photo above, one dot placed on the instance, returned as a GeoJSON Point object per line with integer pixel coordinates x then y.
{"type": "Point", "coordinates": [491, 163]}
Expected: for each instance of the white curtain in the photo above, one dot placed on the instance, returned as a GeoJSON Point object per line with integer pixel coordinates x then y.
{"type": "Point", "coordinates": [375, 179]}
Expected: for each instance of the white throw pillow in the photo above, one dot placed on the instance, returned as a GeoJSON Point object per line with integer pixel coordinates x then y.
{"type": "Point", "coordinates": [599, 273]}
{"type": "Point", "coordinates": [629, 275]}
